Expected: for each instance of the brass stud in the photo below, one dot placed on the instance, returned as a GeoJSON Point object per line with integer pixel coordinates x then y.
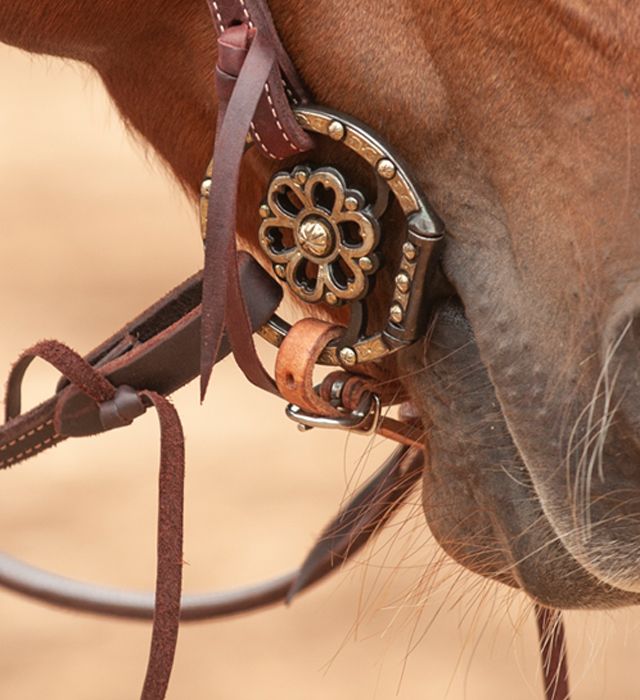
{"type": "Point", "coordinates": [351, 203]}
{"type": "Point", "coordinates": [301, 176]}
{"type": "Point", "coordinates": [366, 264]}
{"type": "Point", "coordinates": [409, 251]}
{"type": "Point", "coordinates": [386, 169]}
{"type": "Point", "coordinates": [205, 187]}
{"type": "Point", "coordinates": [280, 270]}
{"type": "Point", "coordinates": [348, 356]}
{"type": "Point", "coordinates": [264, 211]}
{"type": "Point", "coordinates": [403, 282]}
{"type": "Point", "coordinates": [331, 298]}
{"type": "Point", "coordinates": [336, 130]}
{"type": "Point", "coordinates": [396, 313]}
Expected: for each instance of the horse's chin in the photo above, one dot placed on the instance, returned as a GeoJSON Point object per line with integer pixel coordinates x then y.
{"type": "Point", "coordinates": [478, 497]}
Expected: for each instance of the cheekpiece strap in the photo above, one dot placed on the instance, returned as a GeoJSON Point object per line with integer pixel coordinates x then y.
{"type": "Point", "coordinates": [274, 127]}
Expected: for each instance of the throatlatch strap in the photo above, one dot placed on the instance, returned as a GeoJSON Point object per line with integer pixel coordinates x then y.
{"type": "Point", "coordinates": [113, 402]}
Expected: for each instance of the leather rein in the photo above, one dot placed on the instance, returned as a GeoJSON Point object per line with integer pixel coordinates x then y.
{"type": "Point", "coordinates": [323, 250]}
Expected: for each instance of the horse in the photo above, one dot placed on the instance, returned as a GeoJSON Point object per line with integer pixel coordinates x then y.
{"type": "Point", "coordinates": [518, 124]}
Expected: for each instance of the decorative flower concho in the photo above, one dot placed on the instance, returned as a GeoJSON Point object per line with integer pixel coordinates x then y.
{"type": "Point", "coordinates": [319, 235]}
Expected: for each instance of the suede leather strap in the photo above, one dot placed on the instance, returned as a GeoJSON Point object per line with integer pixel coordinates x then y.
{"type": "Point", "coordinates": [255, 80]}
{"type": "Point", "coordinates": [273, 125]}
{"type": "Point", "coordinates": [100, 391]}
{"type": "Point", "coordinates": [158, 351]}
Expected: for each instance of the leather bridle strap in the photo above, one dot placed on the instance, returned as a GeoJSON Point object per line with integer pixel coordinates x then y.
{"type": "Point", "coordinates": [105, 395]}
{"type": "Point", "coordinates": [252, 66]}
{"type": "Point", "coordinates": [355, 524]}
{"type": "Point", "coordinates": [158, 351]}
{"type": "Point", "coordinates": [274, 127]}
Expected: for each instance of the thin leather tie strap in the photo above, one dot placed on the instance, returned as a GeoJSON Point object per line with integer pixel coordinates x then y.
{"type": "Point", "coordinates": [295, 363]}
{"type": "Point", "coordinates": [274, 128]}
{"type": "Point", "coordinates": [553, 653]}
{"type": "Point", "coordinates": [114, 404]}
{"type": "Point", "coordinates": [166, 616]}
{"type": "Point", "coordinates": [220, 252]}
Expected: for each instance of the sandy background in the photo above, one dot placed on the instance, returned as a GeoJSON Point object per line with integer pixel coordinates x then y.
{"type": "Point", "coordinates": [92, 231]}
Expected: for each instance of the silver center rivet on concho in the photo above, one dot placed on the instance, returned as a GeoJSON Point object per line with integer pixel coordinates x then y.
{"type": "Point", "coordinates": [315, 237]}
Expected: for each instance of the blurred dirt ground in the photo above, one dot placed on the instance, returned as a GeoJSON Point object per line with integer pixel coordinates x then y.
{"type": "Point", "coordinates": [92, 231]}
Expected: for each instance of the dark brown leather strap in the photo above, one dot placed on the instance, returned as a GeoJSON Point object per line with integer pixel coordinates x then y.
{"type": "Point", "coordinates": [273, 127]}
{"type": "Point", "coordinates": [553, 653]}
{"type": "Point", "coordinates": [220, 282]}
{"type": "Point", "coordinates": [367, 512]}
{"type": "Point", "coordinates": [158, 351]}
{"type": "Point", "coordinates": [166, 616]}
{"type": "Point", "coordinates": [252, 73]}
{"type": "Point", "coordinates": [101, 391]}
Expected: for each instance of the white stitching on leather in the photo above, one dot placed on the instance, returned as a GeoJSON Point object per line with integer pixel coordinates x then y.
{"type": "Point", "coordinates": [289, 92]}
{"type": "Point", "coordinates": [29, 450]}
{"type": "Point", "coordinates": [281, 129]}
{"type": "Point", "coordinates": [246, 14]}
{"type": "Point", "coordinates": [261, 143]}
{"type": "Point", "coordinates": [29, 433]}
{"type": "Point", "coordinates": [218, 15]}
{"type": "Point", "coordinates": [275, 116]}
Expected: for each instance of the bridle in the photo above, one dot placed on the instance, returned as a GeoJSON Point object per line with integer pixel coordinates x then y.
{"type": "Point", "coordinates": [320, 229]}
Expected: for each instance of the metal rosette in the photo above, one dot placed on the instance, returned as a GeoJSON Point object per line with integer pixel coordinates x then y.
{"type": "Point", "coordinates": [407, 313]}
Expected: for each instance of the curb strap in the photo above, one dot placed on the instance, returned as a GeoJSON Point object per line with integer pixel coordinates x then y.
{"type": "Point", "coordinates": [117, 406]}
{"type": "Point", "coordinates": [252, 66]}
{"type": "Point", "coordinates": [345, 400]}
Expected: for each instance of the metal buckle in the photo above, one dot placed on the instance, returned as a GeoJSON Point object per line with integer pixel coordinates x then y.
{"type": "Point", "coordinates": [365, 419]}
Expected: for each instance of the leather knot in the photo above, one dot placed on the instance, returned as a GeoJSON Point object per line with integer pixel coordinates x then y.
{"type": "Point", "coordinates": [122, 409]}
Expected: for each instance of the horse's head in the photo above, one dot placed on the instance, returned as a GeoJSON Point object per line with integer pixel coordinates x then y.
{"type": "Point", "coordinates": [520, 121]}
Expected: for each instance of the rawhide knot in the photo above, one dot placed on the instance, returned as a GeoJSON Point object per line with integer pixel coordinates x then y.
{"type": "Point", "coordinates": [122, 409]}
